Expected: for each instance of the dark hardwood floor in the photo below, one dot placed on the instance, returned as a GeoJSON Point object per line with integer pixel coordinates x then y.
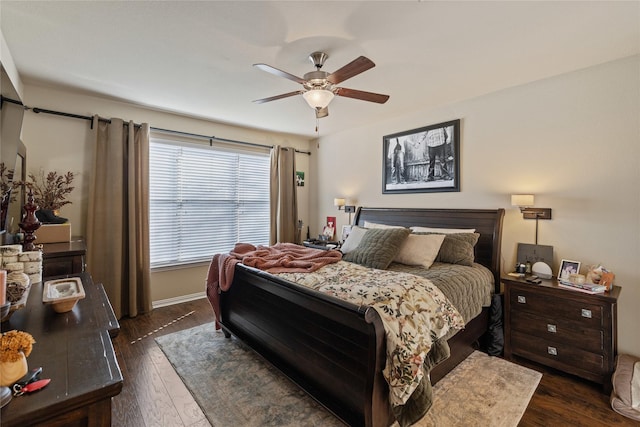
{"type": "Point", "coordinates": [153, 394]}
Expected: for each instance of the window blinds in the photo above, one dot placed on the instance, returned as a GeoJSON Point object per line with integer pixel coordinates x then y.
{"type": "Point", "coordinates": [203, 200]}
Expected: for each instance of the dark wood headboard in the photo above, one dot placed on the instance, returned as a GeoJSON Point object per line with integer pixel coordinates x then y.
{"type": "Point", "coordinates": [487, 222]}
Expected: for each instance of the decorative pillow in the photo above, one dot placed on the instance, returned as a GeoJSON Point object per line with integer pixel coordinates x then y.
{"type": "Point", "coordinates": [352, 242]}
{"type": "Point", "coordinates": [368, 224]}
{"type": "Point", "coordinates": [420, 249]}
{"type": "Point", "coordinates": [457, 248]}
{"type": "Point", "coordinates": [378, 247]}
{"type": "Point", "coordinates": [442, 230]}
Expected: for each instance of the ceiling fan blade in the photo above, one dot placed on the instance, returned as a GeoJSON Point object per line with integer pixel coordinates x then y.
{"type": "Point", "coordinates": [355, 67]}
{"type": "Point", "coordinates": [280, 73]}
{"type": "Point", "coordinates": [273, 98]}
{"type": "Point", "coordinates": [362, 95]}
{"type": "Point", "coordinates": [322, 112]}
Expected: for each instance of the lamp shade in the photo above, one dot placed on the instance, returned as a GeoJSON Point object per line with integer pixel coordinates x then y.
{"type": "Point", "coordinates": [522, 200]}
{"type": "Point", "coordinates": [338, 202]}
{"type": "Point", "coordinates": [318, 98]}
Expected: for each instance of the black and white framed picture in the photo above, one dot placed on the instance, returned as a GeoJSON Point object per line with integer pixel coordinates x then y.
{"type": "Point", "coordinates": [422, 160]}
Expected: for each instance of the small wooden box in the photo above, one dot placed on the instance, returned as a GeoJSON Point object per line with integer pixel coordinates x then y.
{"type": "Point", "coordinates": [53, 233]}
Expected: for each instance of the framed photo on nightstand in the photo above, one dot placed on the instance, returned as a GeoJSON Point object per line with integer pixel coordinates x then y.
{"type": "Point", "coordinates": [567, 268]}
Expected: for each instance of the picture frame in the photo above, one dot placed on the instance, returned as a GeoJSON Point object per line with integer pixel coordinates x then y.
{"type": "Point", "coordinates": [346, 230]}
{"type": "Point", "coordinates": [422, 160]}
{"type": "Point", "coordinates": [327, 232]}
{"type": "Point", "coordinates": [535, 253]}
{"type": "Point", "coordinates": [568, 267]}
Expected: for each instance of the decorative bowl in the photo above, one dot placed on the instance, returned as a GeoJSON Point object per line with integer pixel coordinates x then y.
{"type": "Point", "coordinates": [63, 294]}
{"type": "Point", "coordinates": [8, 309]}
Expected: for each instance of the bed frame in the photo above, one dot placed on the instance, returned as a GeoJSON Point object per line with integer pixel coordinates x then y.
{"type": "Point", "coordinates": [335, 350]}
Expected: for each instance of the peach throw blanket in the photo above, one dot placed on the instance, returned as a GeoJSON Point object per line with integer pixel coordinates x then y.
{"type": "Point", "coordinates": [279, 258]}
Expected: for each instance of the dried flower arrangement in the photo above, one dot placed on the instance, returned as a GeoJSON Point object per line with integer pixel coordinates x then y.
{"type": "Point", "coordinates": [50, 190]}
{"type": "Point", "coordinates": [14, 342]}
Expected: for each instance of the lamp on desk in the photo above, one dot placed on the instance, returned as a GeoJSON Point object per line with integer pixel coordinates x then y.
{"type": "Point", "coordinates": [341, 204]}
{"type": "Point", "coordinates": [525, 203]}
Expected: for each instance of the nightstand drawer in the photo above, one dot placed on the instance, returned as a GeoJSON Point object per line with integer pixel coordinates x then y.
{"type": "Point", "coordinates": [559, 355]}
{"type": "Point", "coordinates": [573, 333]}
{"type": "Point", "coordinates": [528, 300]}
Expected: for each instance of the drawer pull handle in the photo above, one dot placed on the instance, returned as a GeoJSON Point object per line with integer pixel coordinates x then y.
{"type": "Point", "coordinates": [551, 328]}
{"type": "Point", "coordinates": [552, 351]}
{"type": "Point", "coordinates": [522, 300]}
{"type": "Point", "coordinates": [586, 313]}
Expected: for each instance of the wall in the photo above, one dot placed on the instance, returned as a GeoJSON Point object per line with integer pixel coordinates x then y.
{"type": "Point", "coordinates": [62, 144]}
{"type": "Point", "coordinates": [10, 67]}
{"type": "Point", "coordinates": [572, 140]}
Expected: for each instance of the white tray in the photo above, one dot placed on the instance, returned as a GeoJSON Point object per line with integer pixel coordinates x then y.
{"type": "Point", "coordinates": [63, 293]}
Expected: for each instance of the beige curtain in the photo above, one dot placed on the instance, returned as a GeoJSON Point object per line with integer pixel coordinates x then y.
{"type": "Point", "coordinates": [118, 215]}
{"type": "Point", "coordinates": [284, 200]}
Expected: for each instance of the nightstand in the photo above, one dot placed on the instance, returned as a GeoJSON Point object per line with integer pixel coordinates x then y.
{"type": "Point", "coordinates": [318, 244]}
{"type": "Point", "coordinates": [565, 329]}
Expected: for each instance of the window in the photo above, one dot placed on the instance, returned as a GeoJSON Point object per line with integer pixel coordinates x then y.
{"type": "Point", "coordinates": [205, 199]}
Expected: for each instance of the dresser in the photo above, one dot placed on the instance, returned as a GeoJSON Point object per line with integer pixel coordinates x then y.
{"type": "Point", "coordinates": [63, 258]}
{"type": "Point", "coordinates": [75, 351]}
{"type": "Point", "coordinates": [565, 329]}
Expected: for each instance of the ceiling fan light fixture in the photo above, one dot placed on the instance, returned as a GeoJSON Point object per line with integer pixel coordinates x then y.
{"type": "Point", "coordinates": [318, 98]}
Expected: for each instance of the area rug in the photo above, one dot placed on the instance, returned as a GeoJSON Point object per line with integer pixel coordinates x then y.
{"type": "Point", "coordinates": [235, 387]}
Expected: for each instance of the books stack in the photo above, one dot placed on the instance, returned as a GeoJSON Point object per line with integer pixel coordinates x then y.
{"type": "Point", "coordinates": [589, 288]}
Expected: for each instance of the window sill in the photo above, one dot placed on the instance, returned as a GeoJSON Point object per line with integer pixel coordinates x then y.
{"type": "Point", "coordinates": [180, 266]}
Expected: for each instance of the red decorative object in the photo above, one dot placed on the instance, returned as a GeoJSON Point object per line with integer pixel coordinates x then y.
{"type": "Point", "coordinates": [29, 223]}
{"type": "Point", "coordinates": [331, 223]}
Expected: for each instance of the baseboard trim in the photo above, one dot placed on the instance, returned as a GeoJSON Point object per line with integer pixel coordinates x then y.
{"type": "Point", "coordinates": [178, 300]}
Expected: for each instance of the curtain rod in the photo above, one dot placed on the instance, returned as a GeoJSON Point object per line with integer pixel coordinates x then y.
{"type": "Point", "coordinates": [233, 141]}
{"type": "Point", "coordinates": [89, 118]}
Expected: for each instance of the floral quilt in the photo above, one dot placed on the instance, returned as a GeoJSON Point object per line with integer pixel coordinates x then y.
{"type": "Point", "coordinates": [414, 312]}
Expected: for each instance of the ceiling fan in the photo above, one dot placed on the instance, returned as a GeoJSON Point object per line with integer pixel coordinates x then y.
{"type": "Point", "coordinates": [319, 87]}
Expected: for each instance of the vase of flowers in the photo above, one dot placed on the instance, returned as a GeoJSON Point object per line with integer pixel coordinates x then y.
{"type": "Point", "coordinates": [15, 347]}
{"type": "Point", "coordinates": [50, 192]}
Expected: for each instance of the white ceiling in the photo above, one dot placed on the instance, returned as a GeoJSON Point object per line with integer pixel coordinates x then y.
{"type": "Point", "coordinates": [195, 58]}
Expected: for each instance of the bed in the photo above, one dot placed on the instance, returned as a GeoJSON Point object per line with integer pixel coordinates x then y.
{"type": "Point", "coordinates": [335, 350]}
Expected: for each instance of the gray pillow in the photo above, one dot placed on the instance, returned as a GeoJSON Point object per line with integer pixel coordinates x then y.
{"type": "Point", "coordinates": [378, 247]}
{"type": "Point", "coordinates": [457, 248]}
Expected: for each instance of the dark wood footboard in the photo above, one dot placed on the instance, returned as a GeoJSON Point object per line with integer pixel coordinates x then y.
{"type": "Point", "coordinates": [332, 349]}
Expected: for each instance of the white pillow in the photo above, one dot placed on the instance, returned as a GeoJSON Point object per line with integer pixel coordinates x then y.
{"type": "Point", "coordinates": [420, 249]}
{"type": "Point", "coordinates": [442, 230]}
{"type": "Point", "coordinates": [352, 242]}
{"type": "Point", "coordinates": [368, 224]}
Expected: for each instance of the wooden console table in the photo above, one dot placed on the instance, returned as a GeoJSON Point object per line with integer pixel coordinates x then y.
{"type": "Point", "coordinates": [75, 351]}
